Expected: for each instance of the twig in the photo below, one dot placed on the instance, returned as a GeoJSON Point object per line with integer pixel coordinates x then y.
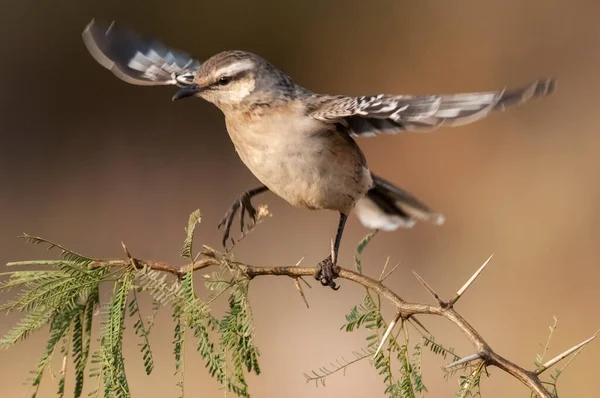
{"type": "Point", "coordinates": [404, 308]}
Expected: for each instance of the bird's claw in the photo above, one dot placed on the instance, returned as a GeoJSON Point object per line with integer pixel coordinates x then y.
{"type": "Point", "coordinates": [327, 272]}
{"type": "Point", "coordinates": [244, 205]}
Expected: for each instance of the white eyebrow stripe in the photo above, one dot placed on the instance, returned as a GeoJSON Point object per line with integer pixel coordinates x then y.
{"type": "Point", "coordinates": [235, 68]}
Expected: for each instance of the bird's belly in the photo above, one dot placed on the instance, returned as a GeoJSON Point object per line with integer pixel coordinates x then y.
{"type": "Point", "coordinates": [309, 173]}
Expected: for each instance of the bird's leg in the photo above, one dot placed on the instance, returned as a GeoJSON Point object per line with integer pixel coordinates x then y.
{"type": "Point", "coordinates": [328, 268]}
{"type": "Point", "coordinates": [244, 204]}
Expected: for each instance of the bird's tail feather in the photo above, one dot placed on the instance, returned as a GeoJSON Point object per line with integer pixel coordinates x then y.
{"type": "Point", "coordinates": [388, 207]}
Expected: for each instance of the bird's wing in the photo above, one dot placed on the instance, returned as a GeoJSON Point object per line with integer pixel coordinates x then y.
{"type": "Point", "coordinates": [391, 114]}
{"type": "Point", "coordinates": [136, 59]}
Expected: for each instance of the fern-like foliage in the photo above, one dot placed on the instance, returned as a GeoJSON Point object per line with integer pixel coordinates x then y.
{"type": "Point", "coordinates": [359, 314]}
{"type": "Point", "coordinates": [360, 248]}
{"type": "Point", "coordinates": [186, 250]}
{"type": "Point", "coordinates": [111, 339]}
{"type": "Point", "coordinates": [202, 323]}
{"type": "Point", "coordinates": [339, 365]}
{"type": "Point", "coordinates": [401, 371]}
{"type": "Point", "coordinates": [82, 337]}
{"type": "Point", "coordinates": [417, 373]}
{"type": "Point", "coordinates": [439, 349]}
{"type": "Point", "coordinates": [539, 358]}
{"type": "Point", "coordinates": [162, 290]}
{"type": "Point", "coordinates": [469, 384]}
{"type": "Point", "coordinates": [556, 373]}
{"type": "Point", "coordinates": [143, 331]}
{"type": "Point", "coordinates": [237, 339]}
{"type": "Point", "coordinates": [58, 329]}
{"type": "Point", "coordinates": [65, 254]}
{"type": "Point", "coordinates": [63, 297]}
{"type": "Point", "coordinates": [179, 349]}
{"type": "Point", "coordinates": [42, 297]}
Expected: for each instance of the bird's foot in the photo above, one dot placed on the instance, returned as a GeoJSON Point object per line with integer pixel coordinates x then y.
{"type": "Point", "coordinates": [243, 204]}
{"type": "Point", "coordinates": [327, 272]}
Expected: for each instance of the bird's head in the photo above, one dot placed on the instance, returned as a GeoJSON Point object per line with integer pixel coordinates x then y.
{"type": "Point", "coordinates": [236, 78]}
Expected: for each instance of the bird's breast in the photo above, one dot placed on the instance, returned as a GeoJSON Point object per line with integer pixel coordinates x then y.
{"type": "Point", "coordinates": [303, 160]}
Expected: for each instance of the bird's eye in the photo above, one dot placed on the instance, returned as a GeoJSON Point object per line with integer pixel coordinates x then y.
{"type": "Point", "coordinates": [223, 81]}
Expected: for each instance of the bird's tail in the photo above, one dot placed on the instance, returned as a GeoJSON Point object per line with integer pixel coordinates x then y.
{"type": "Point", "coordinates": [388, 207]}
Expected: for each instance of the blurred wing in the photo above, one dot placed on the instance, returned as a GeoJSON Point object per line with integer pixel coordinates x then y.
{"type": "Point", "coordinates": [385, 114]}
{"type": "Point", "coordinates": [138, 60]}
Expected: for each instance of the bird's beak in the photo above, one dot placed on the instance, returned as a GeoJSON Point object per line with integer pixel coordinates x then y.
{"type": "Point", "coordinates": [187, 91]}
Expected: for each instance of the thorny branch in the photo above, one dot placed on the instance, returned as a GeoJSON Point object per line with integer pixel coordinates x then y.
{"type": "Point", "coordinates": [404, 309]}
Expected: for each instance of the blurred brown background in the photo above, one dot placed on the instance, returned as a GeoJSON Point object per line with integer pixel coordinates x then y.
{"type": "Point", "coordinates": [89, 161]}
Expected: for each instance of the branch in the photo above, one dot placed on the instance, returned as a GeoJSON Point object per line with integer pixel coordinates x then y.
{"type": "Point", "coordinates": [404, 309]}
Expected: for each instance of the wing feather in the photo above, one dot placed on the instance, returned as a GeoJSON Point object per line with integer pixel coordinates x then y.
{"type": "Point", "coordinates": [389, 114]}
{"type": "Point", "coordinates": [136, 59]}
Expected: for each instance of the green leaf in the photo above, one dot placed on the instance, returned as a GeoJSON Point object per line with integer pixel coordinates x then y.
{"type": "Point", "coordinates": [65, 253]}
{"type": "Point", "coordinates": [58, 328]}
{"type": "Point", "coordinates": [360, 248]}
{"type": "Point", "coordinates": [237, 339]}
{"type": "Point", "coordinates": [111, 340]}
{"type": "Point", "coordinates": [186, 250]}
{"type": "Point", "coordinates": [82, 337]}
{"type": "Point", "coordinates": [318, 376]}
{"type": "Point", "coordinates": [143, 332]}
{"type": "Point", "coordinates": [539, 358]}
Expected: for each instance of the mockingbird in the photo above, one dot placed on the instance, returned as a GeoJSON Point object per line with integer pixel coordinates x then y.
{"type": "Point", "coordinates": [300, 144]}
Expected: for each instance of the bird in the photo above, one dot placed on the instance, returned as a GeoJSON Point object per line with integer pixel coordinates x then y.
{"type": "Point", "coordinates": [300, 144]}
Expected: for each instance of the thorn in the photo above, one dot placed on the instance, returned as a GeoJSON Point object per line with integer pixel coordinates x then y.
{"type": "Point", "coordinates": [299, 287]}
{"type": "Point", "coordinates": [196, 257]}
{"type": "Point", "coordinates": [125, 249]}
{"type": "Point", "coordinates": [387, 261]}
{"type": "Point", "coordinates": [429, 289]}
{"type": "Point", "coordinates": [462, 361]}
{"type": "Point", "coordinates": [470, 281]}
{"type": "Point", "coordinates": [415, 320]}
{"type": "Point", "coordinates": [301, 278]}
{"type": "Point", "coordinates": [387, 333]}
{"type": "Point", "coordinates": [391, 271]}
{"type": "Point", "coordinates": [300, 261]}
{"type": "Point", "coordinates": [305, 282]}
{"type": "Point", "coordinates": [131, 259]}
{"type": "Point", "coordinates": [565, 354]}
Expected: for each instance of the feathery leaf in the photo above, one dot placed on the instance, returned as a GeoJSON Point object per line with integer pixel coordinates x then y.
{"type": "Point", "coordinates": [186, 250]}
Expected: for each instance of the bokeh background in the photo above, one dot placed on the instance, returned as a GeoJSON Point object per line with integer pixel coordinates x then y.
{"type": "Point", "coordinates": [90, 161]}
